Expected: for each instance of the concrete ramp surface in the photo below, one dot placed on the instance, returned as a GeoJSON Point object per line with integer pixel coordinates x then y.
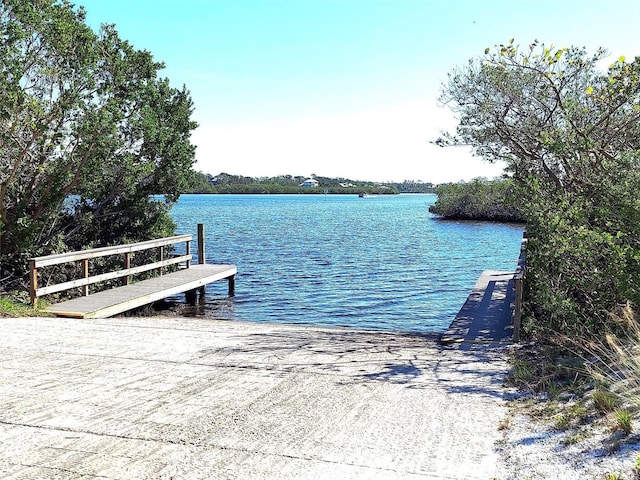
{"type": "Point", "coordinates": [185, 398]}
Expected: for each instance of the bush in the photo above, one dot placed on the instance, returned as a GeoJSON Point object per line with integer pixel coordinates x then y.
{"type": "Point", "coordinates": [480, 199]}
{"type": "Point", "coordinates": [583, 255]}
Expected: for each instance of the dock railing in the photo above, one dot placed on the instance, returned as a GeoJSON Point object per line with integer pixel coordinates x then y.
{"type": "Point", "coordinates": [84, 256]}
{"type": "Point", "coordinates": [518, 282]}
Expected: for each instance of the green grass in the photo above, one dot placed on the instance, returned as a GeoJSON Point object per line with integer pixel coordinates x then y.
{"type": "Point", "coordinates": [604, 400]}
{"type": "Point", "coordinates": [14, 308]}
{"type": "Point", "coordinates": [624, 421]}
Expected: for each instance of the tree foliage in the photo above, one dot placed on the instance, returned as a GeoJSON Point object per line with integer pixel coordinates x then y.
{"type": "Point", "coordinates": [569, 134]}
{"type": "Point", "coordinates": [480, 199]}
{"type": "Point", "coordinates": [88, 132]}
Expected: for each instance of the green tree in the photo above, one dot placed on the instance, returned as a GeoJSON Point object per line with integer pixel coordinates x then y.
{"type": "Point", "coordinates": [569, 134]}
{"type": "Point", "coordinates": [88, 132]}
{"type": "Point", "coordinates": [480, 199]}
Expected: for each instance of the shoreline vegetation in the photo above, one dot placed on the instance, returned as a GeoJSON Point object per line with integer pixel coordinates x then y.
{"type": "Point", "coordinates": [225, 183]}
{"type": "Point", "coordinates": [479, 199]}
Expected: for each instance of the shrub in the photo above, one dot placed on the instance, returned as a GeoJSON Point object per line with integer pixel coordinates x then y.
{"type": "Point", "coordinates": [480, 199]}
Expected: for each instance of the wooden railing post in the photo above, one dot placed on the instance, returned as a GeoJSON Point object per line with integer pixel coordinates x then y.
{"type": "Point", "coordinates": [201, 254]}
{"type": "Point", "coordinates": [33, 282]}
{"type": "Point", "coordinates": [517, 309]}
{"type": "Point", "coordinates": [127, 266]}
{"type": "Point", "coordinates": [160, 258]}
{"type": "Point", "coordinates": [518, 283]}
{"type": "Point", "coordinates": [187, 251]}
{"type": "Point", "coordinates": [232, 285]}
{"type": "Point", "coordinates": [85, 274]}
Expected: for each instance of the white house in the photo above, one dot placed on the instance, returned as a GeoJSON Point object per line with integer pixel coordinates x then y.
{"type": "Point", "coordinates": [310, 182]}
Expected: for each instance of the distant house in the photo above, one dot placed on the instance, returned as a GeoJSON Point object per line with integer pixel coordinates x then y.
{"type": "Point", "coordinates": [310, 182]}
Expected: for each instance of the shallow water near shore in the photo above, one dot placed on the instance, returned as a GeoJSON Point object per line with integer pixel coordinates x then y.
{"type": "Point", "coordinates": [380, 263]}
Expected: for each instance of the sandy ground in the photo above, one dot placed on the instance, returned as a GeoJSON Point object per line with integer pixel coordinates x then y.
{"type": "Point", "coordinates": [191, 398]}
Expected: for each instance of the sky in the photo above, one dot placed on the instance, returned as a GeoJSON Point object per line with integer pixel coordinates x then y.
{"type": "Point", "coordinates": [343, 88]}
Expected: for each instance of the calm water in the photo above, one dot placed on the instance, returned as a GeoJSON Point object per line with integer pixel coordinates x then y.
{"type": "Point", "coordinates": [381, 262]}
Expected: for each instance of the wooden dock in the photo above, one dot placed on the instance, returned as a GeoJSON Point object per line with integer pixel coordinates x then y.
{"type": "Point", "coordinates": [121, 299]}
{"type": "Point", "coordinates": [132, 294]}
{"type": "Point", "coordinates": [486, 316]}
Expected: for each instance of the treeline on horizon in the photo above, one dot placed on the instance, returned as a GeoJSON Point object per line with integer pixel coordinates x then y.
{"type": "Point", "coordinates": [225, 183]}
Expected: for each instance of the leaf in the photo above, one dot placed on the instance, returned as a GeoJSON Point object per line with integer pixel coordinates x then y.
{"type": "Point", "coordinates": [486, 50]}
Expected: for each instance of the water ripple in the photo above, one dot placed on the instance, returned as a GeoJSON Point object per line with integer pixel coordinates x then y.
{"type": "Point", "coordinates": [382, 263]}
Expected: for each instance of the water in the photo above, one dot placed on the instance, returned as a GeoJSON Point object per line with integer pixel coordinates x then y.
{"type": "Point", "coordinates": [377, 263]}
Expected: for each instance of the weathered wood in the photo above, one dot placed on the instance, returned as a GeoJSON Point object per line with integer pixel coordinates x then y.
{"type": "Point", "coordinates": [160, 259]}
{"type": "Point", "coordinates": [232, 285]}
{"type": "Point", "coordinates": [201, 249]}
{"type": "Point", "coordinates": [127, 266]}
{"type": "Point", "coordinates": [485, 317]}
{"type": "Point", "coordinates": [33, 283]}
{"type": "Point", "coordinates": [60, 287]}
{"type": "Point", "coordinates": [517, 309]}
{"type": "Point", "coordinates": [120, 299]}
{"type": "Point", "coordinates": [518, 280]}
{"type": "Point", "coordinates": [104, 251]}
{"type": "Point", "coordinates": [130, 295]}
{"type": "Point", "coordinates": [85, 275]}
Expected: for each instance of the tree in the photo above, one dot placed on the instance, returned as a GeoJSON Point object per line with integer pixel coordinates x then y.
{"type": "Point", "coordinates": [569, 134]}
{"type": "Point", "coordinates": [480, 199]}
{"type": "Point", "coordinates": [88, 132]}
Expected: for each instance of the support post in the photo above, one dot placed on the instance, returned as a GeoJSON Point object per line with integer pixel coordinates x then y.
{"type": "Point", "coordinates": [191, 296]}
{"type": "Point", "coordinates": [33, 282]}
{"type": "Point", "coordinates": [160, 258]}
{"type": "Point", "coordinates": [187, 251]}
{"type": "Point", "coordinates": [232, 285]}
{"type": "Point", "coordinates": [201, 254]}
{"type": "Point", "coordinates": [85, 274]}
{"type": "Point", "coordinates": [127, 266]}
{"type": "Point", "coordinates": [517, 309]}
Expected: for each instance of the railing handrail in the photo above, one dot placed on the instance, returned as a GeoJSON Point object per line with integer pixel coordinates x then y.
{"type": "Point", "coordinates": [85, 255]}
{"type": "Point", "coordinates": [59, 258]}
{"type": "Point", "coordinates": [518, 280]}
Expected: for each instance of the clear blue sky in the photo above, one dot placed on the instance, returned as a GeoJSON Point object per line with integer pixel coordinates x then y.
{"type": "Point", "coordinates": [343, 88]}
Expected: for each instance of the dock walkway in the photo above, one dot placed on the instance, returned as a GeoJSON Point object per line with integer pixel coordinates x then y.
{"type": "Point", "coordinates": [121, 299]}
{"type": "Point", "coordinates": [187, 278]}
{"type": "Point", "coordinates": [486, 316]}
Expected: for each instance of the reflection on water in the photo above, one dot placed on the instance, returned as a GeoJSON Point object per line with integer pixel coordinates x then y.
{"type": "Point", "coordinates": [383, 262]}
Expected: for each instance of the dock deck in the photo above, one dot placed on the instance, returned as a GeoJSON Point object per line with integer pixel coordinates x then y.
{"type": "Point", "coordinates": [486, 315]}
{"type": "Point", "coordinates": [117, 300]}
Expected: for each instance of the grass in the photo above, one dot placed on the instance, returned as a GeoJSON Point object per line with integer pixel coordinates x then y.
{"type": "Point", "coordinates": [617, 359]}
{"type": "Point", "coordinates": [604, 400]}
{"type": "Point", "coordinates": [624, 422]}
{"type": "Point", "coordinates": [10, 307]}
{"type": "Point", "coordinates": [590, 398]}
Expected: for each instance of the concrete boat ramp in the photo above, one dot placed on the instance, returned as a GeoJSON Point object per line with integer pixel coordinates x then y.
{"type": "Point", "coordinates": [193, 398]}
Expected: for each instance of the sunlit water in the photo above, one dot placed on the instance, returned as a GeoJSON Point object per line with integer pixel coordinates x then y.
{"type": "Point", "coordinates": [377, 263]}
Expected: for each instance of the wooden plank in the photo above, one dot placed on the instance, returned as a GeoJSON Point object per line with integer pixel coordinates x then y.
{"type": "Point", "coordinates": [33, 283]}
{"type": "Point", "coordinates": [81, 282]}
{"type": "Point", "coordinates": [104, 251]}
{"type": "Point", "coordinates": [85, 276]}
{"type": "Point", "coordinates": [120, 299]}
{"type": "Point", "coordinates": [486, 315]}
{"type": "Point", "coordinates": [201, 250]}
